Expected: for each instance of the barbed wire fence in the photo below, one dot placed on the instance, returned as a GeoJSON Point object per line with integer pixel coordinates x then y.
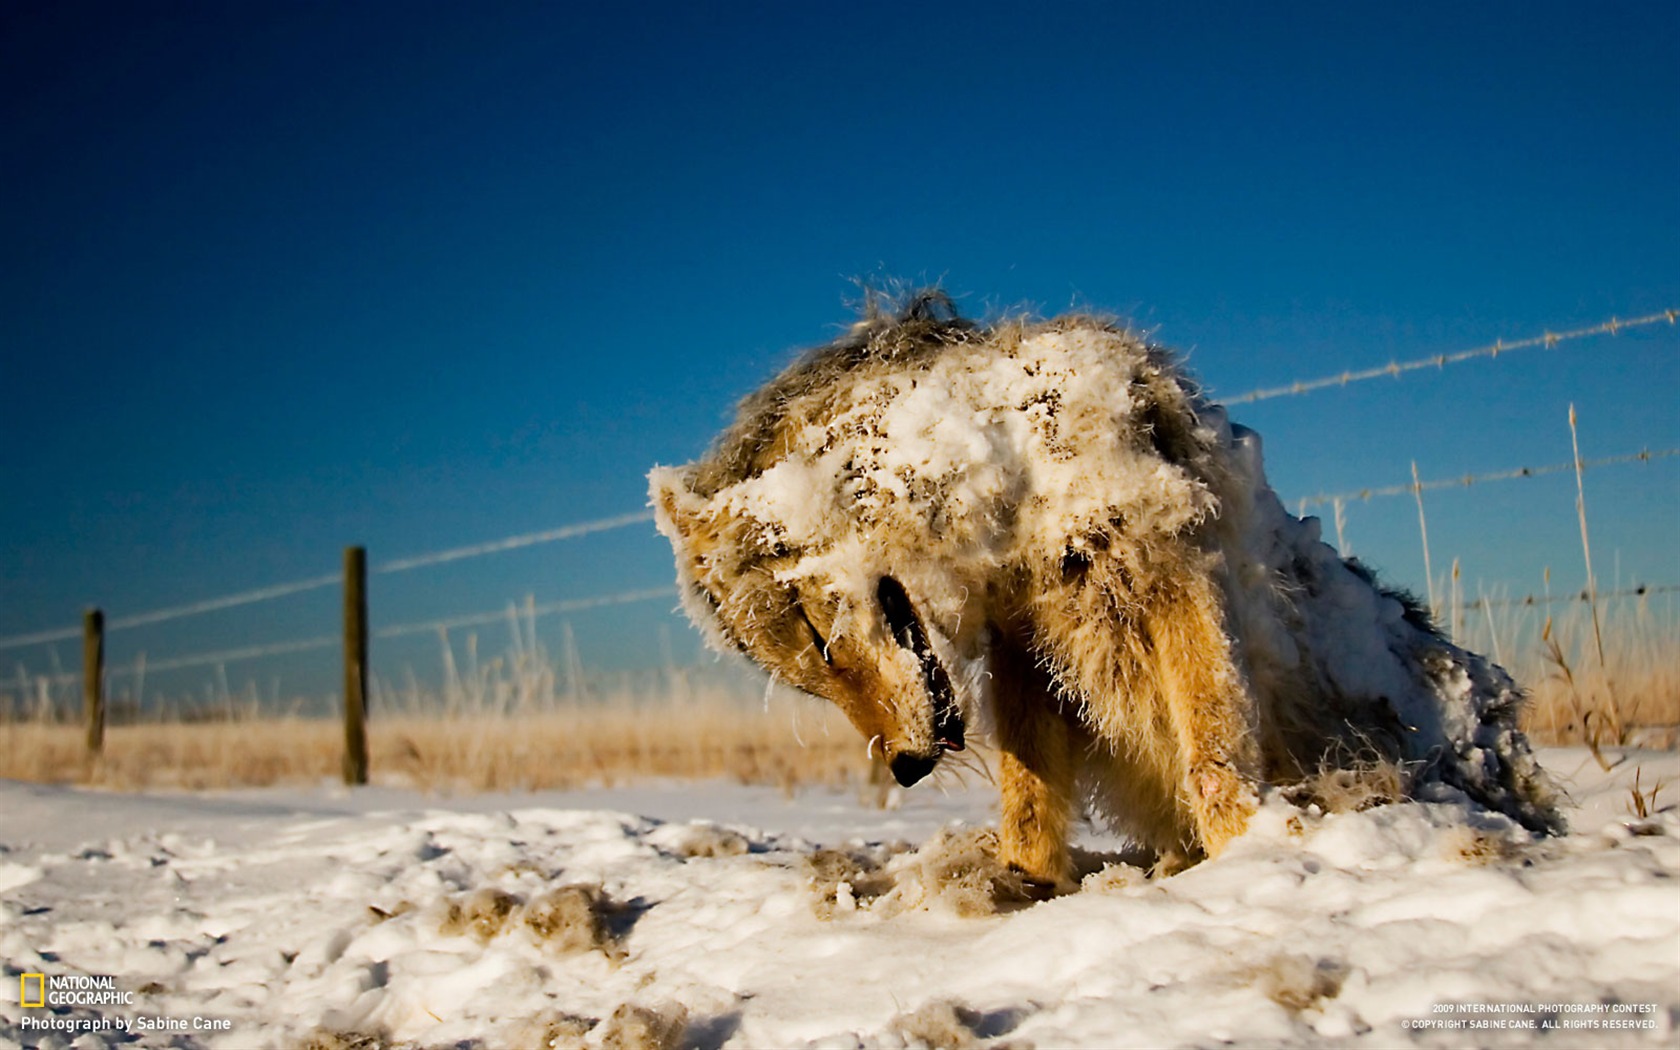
{"type": "Point", "coordinates": [60, 677]}
{"type": "Point", "coordinates": [1338, 502]}
{"type": "Point", "coordinates": [1466, 480]}
{"type": "Point", "coordinates": [1396, 369]}
{"type": "Point", "coordinates": [94, 674]}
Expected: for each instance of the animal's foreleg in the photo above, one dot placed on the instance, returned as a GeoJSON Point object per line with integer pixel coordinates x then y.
{"type": "Point", "coordinates": [1036, 774]}
{"type": "Point", "coordinates": [1212, 712]}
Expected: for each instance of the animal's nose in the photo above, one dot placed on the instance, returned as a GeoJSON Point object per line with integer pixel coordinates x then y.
{"type": "Point", "coordinates": [908, 768]}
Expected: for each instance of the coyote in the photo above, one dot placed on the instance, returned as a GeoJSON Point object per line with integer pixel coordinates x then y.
{"type": "Point", "coordinates": [1041, 531]}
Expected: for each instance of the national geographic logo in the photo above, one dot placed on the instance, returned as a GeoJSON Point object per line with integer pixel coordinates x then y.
{"type": "Point", "coordinates": [40, 990]}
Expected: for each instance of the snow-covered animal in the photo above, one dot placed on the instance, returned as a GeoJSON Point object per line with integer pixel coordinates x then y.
{"type": "Point", "coordinates": [1042, 530]}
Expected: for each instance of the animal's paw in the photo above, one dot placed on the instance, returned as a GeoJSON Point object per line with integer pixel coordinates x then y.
{"type": "Point", "coordinates": [1171, 861]}
{"type": "Point", "coordinates": [1223, 802]}
{"type": "Point", "coordinates": [1034, 888]}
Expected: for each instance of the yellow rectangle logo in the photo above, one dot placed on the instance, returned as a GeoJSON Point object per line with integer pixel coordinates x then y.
{"type": "Point", "coordinates": [40, 980]}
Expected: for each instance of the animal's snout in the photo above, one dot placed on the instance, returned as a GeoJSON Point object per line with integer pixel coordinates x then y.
{"type": "Point", "coordinates": [907, 629]}
{"type": "Point", "coordinates": [909, 768]}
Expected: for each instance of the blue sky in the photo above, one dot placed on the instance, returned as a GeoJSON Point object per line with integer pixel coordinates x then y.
{"type": "Point", "coordinates": [281, 277]}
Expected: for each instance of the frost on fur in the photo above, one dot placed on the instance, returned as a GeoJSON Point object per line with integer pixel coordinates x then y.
{"type": "Point", "coordinates": [1041, 531]}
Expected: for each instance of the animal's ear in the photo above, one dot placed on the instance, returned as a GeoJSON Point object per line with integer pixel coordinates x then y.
{"type": "Point", "coordinates": [685, 518]}
{"type": "Point", "coordinates": [706, 532]}
{"type": "Point", "coordinates": [666, 487]}
{"type": "Point", "coordinates": [680, 513]}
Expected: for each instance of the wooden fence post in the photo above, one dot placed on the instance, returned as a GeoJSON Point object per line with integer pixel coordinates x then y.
{"type": "Point", "coordinates": [93, 679]}
{"type": "Point", "coordinates": [355, 665]}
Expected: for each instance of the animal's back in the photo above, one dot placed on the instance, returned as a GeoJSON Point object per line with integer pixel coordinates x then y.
{"type": "Point", "coordinates": [1350, 672]}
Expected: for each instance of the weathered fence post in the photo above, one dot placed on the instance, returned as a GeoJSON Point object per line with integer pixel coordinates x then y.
{"type": "Point", "coordinates": [355, 665]}
{"type": "Point", "coordinates": [93, 679]}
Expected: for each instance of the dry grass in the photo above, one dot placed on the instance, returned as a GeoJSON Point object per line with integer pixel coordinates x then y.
{"type": "Point", "coordinates": [517, 721]}
{"type": "Point", "coordinates": [1628, 696]}
{"type": "Point", "coordinates": [556, 749]}
{"type": "Point", "coordinates": [1643, 803]}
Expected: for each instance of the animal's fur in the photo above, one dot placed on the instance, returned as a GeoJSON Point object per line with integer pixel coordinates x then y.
{"type": "Point", "coordinates": [1041, 527]}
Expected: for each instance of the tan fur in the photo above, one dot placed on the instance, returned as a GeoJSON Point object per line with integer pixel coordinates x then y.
{"type": "Point", "coordinates": [1039, 749]}
{"type": "Point", "coordinates": [1041, 528]}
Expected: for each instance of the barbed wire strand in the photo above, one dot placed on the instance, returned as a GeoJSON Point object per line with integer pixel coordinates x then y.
{"type": "Point", "coordinates": [547, 609]}
{"type": "Point", "coordinates": [281, 590]}
{"type": "Point", "coordinates": [1396, 369]}
{"type": "Point", "coordinates": [40, 638]}
{"type": "Point", "coordinates": [261, 594]}
{"type": "Point", "coordinates": [394, 631]}
{"type": "Point", "coordinates": [1466, 480]}
{"type": "Point", "coordinates": [227, 656]}
{"type": "Point", "coordinates": [529, 539]}
{"type": "Point", "coordinates": [1641, 591]}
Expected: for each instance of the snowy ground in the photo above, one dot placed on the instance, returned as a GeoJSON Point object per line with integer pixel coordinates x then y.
{"type": "Point", "coordinates": [715, 915]}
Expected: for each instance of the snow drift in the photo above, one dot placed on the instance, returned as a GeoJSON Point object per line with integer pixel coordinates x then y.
{"type": "Point", "coordinates": [622, 918]}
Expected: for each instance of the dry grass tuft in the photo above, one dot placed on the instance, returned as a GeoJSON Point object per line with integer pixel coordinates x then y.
{"type": "Point", "coordinates": [844, 881]}
{"type": "Point", "coordinates": [701, 839]}
{"type": "Point", "coordinates": [1642, 802]}
{"type": "Point", "coordinates": [1356, 786]}
{"type": "Point", "coordinates": [938, 1025]}
{"type": "Point", "coordinates": [1618, 686]}
{"type": "Point", "coordinates": [561, 1032]}
{"type": "Point", "coordinates": [633, 1027]}
{"type": "Point", "coordinates": [576, 918]}
{"type": "Point", "coordinates": [957, 871]}
{"type": "Point", "coordinates": [481, 913]}
{"type": "Point", "coordinates": [566, 920]}
{"type": "Point", "coordinates": [1113, 878]}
